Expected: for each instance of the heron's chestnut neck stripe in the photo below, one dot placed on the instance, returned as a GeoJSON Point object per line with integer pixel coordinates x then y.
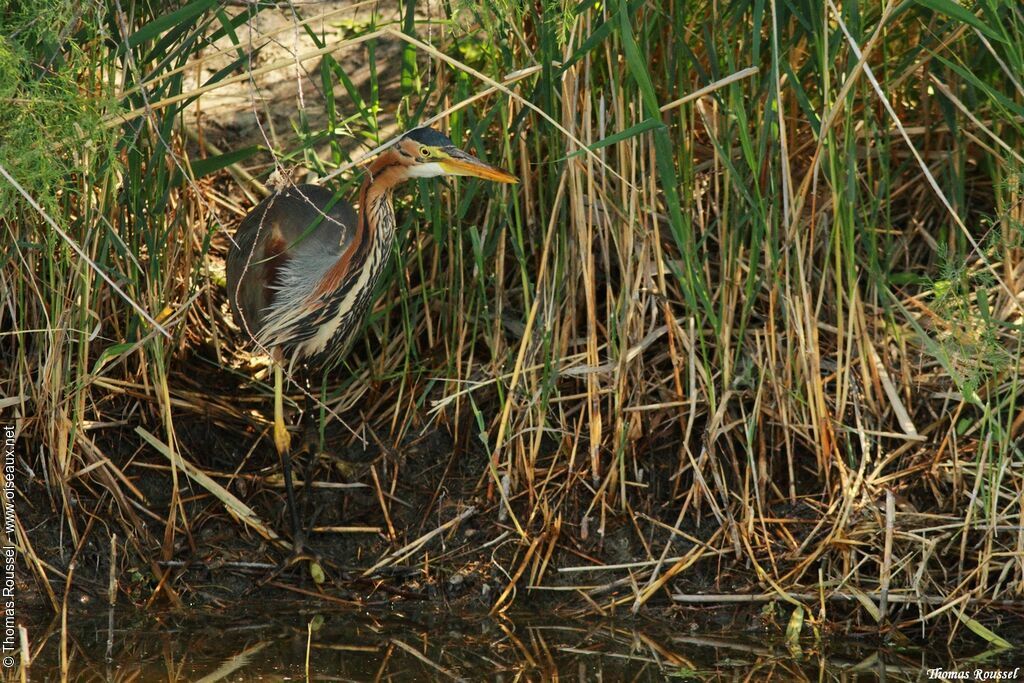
{"type": "Point", "coordinates": [375, 194]}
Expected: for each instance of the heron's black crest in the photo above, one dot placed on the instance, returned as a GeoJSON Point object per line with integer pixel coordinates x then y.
{"type": "Point", "coordinates": [428, 136]}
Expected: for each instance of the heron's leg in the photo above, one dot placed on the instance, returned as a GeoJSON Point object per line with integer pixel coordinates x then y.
{"type": "Point", "coordinates": [282, 440]}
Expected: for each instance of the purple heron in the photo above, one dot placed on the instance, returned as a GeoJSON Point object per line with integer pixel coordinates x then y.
{"type": "Point", "coordinates": [303, 265]}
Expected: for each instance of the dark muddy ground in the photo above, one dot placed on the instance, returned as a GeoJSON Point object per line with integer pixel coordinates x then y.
{"type": "Point", "coordinates": [364, 504]}
{"type": "Point", "coordinates": [222, 575]}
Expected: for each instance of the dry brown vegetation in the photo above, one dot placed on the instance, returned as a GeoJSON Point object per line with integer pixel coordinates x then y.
{"type": "Point", "coordinates": [748, 329]}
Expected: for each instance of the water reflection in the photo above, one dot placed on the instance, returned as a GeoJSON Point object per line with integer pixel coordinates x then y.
{"type": "Point", "coordinates": [293, 642]}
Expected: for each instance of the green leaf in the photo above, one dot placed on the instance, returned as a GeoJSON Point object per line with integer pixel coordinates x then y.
{"type": "Point", "coordinates": [638, 129]}
{"type": "Point", "coordinates": [168, 21]}
{"type": "Point", "coordinates": [795, 625]}
{"type": "Point", "coordinates": [983, 632]}
{"type": "Point", "coordinates": [956, 11]}
{"type": "Point", "coordinates": [410, 74]}
{"type": "Point", "coordinates": [242, 60]}
{"type": "Point", "coordinates": [202, 167]}
{"type": "Point", "coordinates": [665, 163]}
{"type": "Point", "coordinates": [867, 603]}
{"type": "Point", "coordinates": [937, 352]}
{"type": "Point", "coordinates": [111, 352]}
{"type": "Point", "coordinates": [986, 88]}
{"type": "Point", "coordinates": [317, 572]}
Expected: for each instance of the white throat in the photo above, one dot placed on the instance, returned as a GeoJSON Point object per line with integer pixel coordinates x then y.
{"type": "Point", "coordinates": [429, 170]}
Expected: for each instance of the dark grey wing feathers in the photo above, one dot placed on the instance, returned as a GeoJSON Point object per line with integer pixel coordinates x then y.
{"type": "Point", "coordinates": [282, 225]}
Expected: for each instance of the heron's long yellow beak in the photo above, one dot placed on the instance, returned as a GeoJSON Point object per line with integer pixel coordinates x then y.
{"type": "Point", "coordinates": [460, 163]}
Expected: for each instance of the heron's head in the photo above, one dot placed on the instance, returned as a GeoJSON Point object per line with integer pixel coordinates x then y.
{"type": "Point", "coordinates": [427, 153]}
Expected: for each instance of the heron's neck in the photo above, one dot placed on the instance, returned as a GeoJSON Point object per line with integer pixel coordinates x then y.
{"type": "Point", "coordinates": [376, 213]}
{"type": "Point", "coordinates": [375, 229]}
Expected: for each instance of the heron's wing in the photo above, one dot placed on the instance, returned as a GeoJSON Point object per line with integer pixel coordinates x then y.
{"type": "Point", "coordinates": [310, 217]}
{"type": "Point", "coordinates": [299, 222]}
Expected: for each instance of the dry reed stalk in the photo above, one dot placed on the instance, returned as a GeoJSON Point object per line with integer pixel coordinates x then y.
{"type": "Point", "coordinates": [236, 508]}
{"type": "Point", "coordinates": [747, 355]}
{"type": "Point", "coordinates": [65, 662]}
{"type": "Point", "coordinates": [410, 548]}
{"type": "Point", "coordinates": [24, 654]}
{"type": "Point", "coordinates": [423, 658]}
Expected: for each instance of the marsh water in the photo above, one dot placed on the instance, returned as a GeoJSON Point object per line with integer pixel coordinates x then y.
{"type": "Point", "coordinates": [304, 641]}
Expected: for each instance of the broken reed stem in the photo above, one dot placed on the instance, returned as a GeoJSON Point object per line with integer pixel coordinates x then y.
{"type": "Point", "coordinates": [890, 517]}
{"type": "Point", "coordinates": [65, 662]}
{"type": "Point", "coordinates": [112, 574]}
{"type": "Point", "coordinates": [410, 548]}
{"type": "Point", "coordinates": [25, 654]}
{"type": "Point", "coordinates": [409, 649]}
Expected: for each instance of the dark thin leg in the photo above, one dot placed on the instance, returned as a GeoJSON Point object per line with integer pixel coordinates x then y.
{"type": "Point", "coordinates": [298, 533]}
{"type": "Point", "coordinates": [282, 442]}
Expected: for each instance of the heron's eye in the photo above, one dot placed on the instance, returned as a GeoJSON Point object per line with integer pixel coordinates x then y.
{"type": "Point", "coordinates": [424, 151]}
